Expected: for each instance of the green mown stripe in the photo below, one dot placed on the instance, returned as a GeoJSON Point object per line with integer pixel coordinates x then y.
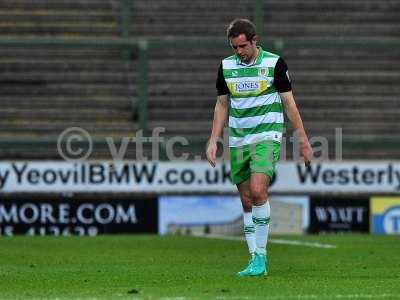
{"type": "Point", "coordinates": [242, 132]}
{"type": "Point", "coordinates": [255, 111]}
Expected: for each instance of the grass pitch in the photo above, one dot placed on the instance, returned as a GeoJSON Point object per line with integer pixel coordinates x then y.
{"type": "Point", "coordinates": [152, 267]}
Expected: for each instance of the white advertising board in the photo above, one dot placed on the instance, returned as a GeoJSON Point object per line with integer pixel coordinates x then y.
{"type": "Point", "coordinates": [159, 177]}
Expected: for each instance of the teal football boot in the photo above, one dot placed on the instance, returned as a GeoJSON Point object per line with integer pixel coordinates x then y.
{"type": "Point", "coordinates": [259, 265]}
{"type": "Point", "coordinates": [246, 271]}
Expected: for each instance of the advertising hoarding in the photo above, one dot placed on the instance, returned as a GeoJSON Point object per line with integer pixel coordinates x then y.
{"type": "Point", "coordinates": [223, 215]}
{"type": "Point", "coordinates": [194, 176]}
{"type": "Point", "coordinates": [330, 214]}
{"type": "Point", "coordinates": [385, 215]}
{"type": "Point", "coordinates": [60, 216]}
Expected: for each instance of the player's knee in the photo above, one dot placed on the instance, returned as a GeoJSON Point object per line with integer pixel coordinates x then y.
{"type": "Point", "coordinates": [246, 203]}
{"type": "Point", "coordinates": [258, 193]}
{"type": "Point", "coordinates": [247, 207]}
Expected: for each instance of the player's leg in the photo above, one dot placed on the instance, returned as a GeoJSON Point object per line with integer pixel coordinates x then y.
{"type": "Point", "coordinates": [240, 175]}
{"type": "Point", "coordinates": [260, 210]}
{"type": "Point", "coordinates": [263, 160]}
{"type": "Point", "coordinates": [261, 217]}
{"type": "Point", "coordinates": [249, 230]}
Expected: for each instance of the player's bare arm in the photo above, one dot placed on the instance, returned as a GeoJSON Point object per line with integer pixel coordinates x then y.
{"type": "Point", "coordinates": [220, 117]}
{"type": "Point", "coordinates": [294, 116]}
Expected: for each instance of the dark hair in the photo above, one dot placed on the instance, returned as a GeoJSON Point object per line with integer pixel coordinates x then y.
{"type": "Point", "coordinates": [241, 26]}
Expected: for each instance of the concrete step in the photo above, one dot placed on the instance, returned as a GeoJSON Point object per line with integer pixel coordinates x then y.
{"type": "Point", "coordinates": [173, 127]}
{"type": "Point", "coordinates": [98, 5]}
{"type": "Point", "coordinates": [46, 152]}
{"type": "Point", "coordinates": [176, 5]}
{"type": "Point", "coordinates": [277, 30]}
{"type": "Point", "coordinates": [67, 77]}
{"type": "Point", "coordinates": [38, 128]}
{"type": "Point", "coordinates": [332, 5]}
{"type": "Point", "coordinates": [82, 114]}
{"type": "Point", "coordinates": [287, 6]}
{"type": "Point", "coordinates": [364, 114]}
{"type": "Point", "coordinates": [289, 15]}
{"type": "Point", "coordinates": [301, 89]}
{"type": "Point", "coordinates": [24, 64]}
{"type": "Point", "coordinates": [70, 89]}
{"type": "Point", "coordinates": [66, 54]}
{"type": "Point", "coordinates": [328, 76]}
{"type": "Point", "coordinates": [353, 127]}
{"type": "Point", "coordinates": [304, 47]}
{"type": "Point", "coordinates": [305, 90]}
{"type": "Point", "coordinates": [186, 114]}
{"type": "Point", "coordinates": [314, 127]}
{"type": "Point", "coordinates": [60, 29]}
{"type": "Point", "coordinates": [59, 102]}
{"type": "Point", "coordinates": [326, 101]}
{"type": "Point", "coordinates": [295, 63]}
{"type": "Point", "coordinates": [47, 15]}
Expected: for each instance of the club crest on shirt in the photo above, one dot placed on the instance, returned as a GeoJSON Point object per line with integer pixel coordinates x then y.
{"type": "Point", "coordinates": [263, 72]}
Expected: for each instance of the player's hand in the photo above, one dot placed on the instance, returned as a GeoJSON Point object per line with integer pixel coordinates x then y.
{"type": "Point", "coordinates": [211, 152]}
{"type": "Point", "coordinates": [306, 152]}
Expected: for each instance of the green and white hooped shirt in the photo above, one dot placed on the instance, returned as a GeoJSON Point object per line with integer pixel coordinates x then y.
{"type": "Point", "coordinates": [256, 110]}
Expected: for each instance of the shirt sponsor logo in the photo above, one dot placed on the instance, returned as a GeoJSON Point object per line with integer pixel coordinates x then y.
{"type": "Point", "coordinates": [247, 86]}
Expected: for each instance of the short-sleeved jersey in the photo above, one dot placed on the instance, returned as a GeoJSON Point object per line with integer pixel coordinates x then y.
{"type": "Point", "coordinates": [256, 111]}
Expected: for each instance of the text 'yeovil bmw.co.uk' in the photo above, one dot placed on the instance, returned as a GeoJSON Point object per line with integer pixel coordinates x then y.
{"type": "Point", "coordinates": [193, 176]}
{"type": "Point", "coordinates": [129, 176]}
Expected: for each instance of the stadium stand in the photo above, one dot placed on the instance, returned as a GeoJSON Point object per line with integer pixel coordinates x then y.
{"type": "Point", "coordinates": [45, 90]}
{"type": "Point", "coordinates": [348, 87]}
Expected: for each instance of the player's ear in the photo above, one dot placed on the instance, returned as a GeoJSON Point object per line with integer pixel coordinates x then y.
{"type": "Point", "coordinates": [254, 40]}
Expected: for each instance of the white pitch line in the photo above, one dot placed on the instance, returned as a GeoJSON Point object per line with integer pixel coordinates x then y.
{"type": "Point", "coordinates": [274, 241]}
{"type": "Point", "coordinates": [327, 296]}
{"type": "Point", "coordinates": [265, 297]}
{"type": "Point", "coordinates": [301, 243]}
